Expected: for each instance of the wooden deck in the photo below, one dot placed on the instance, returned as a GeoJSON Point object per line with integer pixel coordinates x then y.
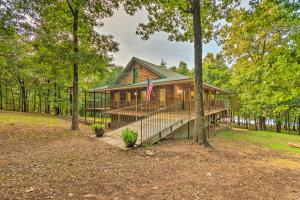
{"type": "Point", "coordinates": [154, 124]}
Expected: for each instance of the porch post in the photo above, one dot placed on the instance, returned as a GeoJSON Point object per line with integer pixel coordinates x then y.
{"type": "Point", "coordinates": [105, 100]}
{"type": "Point", "coordinates": [101, 99]}
{"type": "Point", "coordinates": [94, 108]}
{"type": "Point", "coordinates": [136, 102]}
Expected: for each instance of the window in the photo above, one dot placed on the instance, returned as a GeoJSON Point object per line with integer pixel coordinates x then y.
{"type": "Point", "coordinates": [143, 95]}
{"type": "Point", "coordinates": [135, 75]}
{"type": "Point", "coordinates": [128, 98]}
{"type": "Point", "coordinates": [162, 97]}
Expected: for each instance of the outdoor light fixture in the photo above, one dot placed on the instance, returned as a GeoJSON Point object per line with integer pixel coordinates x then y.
{"type": "Point", "coordinates": [135, 93]}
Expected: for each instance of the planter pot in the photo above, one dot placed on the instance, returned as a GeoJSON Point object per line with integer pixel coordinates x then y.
{"type": "Point", "coordinates": [99, 132]}
{"type": "Point", "coordinates": [131, 144]}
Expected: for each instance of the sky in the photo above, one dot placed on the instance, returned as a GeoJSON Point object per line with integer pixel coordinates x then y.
{"type": "Point", "coordinates": [123, 26]}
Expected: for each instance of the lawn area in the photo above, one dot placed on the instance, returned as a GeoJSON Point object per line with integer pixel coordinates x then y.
{"type": "Point", "coordinates": [277, 141]}
{"type": "Point", "coordinates": [40, 158]}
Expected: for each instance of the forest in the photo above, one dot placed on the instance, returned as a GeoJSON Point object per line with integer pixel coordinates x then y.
{"type": "Point", "coordinates": [50, 52]}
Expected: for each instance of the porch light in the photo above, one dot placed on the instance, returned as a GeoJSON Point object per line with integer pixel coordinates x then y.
{"type": "Point", "coordinates": [135, 93]}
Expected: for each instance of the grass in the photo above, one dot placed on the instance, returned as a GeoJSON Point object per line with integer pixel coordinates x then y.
{"type": "Point", "coordinates": [276, 141]}
{"type": "Point", "coordinates": [28, 118]}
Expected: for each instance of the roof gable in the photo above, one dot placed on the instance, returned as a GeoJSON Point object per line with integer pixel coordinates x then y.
{"type": "Point", "coordinates": [160, 71]}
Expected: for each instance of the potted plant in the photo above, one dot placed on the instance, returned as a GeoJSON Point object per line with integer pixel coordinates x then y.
{"type": "Point", "coordinates": [129, 137]}
{"type": "Point", "coordinates": [99, 129]}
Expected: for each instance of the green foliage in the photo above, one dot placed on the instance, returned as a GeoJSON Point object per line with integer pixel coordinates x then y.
{"type": "Point", "coordinates": [263, 42]}
{"type": "Point", "coordinates": [97, 126]}
{"type": "Point", "coordinates": [182, 69]}
{"type": "Point", "coordinates": [129, 137]}
{"type": "Point", "coordinates": [37, 52]}
{"type": "Point", "coordinates": [174, 17]}
{"type": "Point", "coordinates": [215, 71]}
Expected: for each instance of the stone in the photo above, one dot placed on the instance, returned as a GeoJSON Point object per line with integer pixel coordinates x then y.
{"type": "Point", "coordinates": [149, 153]}
{"type": "Point", "coordinates": [70, 194]}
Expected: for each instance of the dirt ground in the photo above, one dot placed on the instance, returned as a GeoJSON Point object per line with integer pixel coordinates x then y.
{"type": "Point", "coordinates": [41, 159]}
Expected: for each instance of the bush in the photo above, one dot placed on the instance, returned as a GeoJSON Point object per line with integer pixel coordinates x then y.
{"type": "Point", "coordinates": [129, 137]}
{"type": "Point", "coordinates": [98, 129]}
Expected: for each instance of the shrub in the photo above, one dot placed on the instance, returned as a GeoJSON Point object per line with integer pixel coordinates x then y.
{"type": "Point", "coordinates": [98, 129]}
{"type": "Point", "coordinates": [129, 137]}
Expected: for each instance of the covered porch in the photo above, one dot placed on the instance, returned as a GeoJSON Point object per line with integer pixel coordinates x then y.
{"type": "Point", "coordinates": [121, 104]}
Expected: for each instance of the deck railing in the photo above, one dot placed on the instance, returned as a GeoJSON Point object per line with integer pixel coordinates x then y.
{"type": "Point", "coordinates": [106, 105]}
{"type": "Point", "coordinates": [156, 122]}
{"type": "Point", "coordinates": [154, 116]}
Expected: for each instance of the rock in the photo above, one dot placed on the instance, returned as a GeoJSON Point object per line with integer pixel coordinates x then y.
{"type": "Point", "coordinates": [208, 174]}
{"type": "Point", "coordinates": [31, 189]}
{"type": "Point", "coordinates": [70, 194]}
{"type": "Point", "coordinates": [90, 196]}
{"type": "Point", "coordinates": [149, 153]}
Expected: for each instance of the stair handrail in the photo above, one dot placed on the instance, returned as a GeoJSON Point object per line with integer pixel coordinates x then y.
{"type": "Point", "coordinates": [189, 102]}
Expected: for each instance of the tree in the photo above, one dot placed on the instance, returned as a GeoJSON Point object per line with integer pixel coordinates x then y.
{"type": "Point", "coordinates": [185, 20]}
{"type": "Point", "coordinates": [89, 11]}
{"type": "Point", "coordinates": [182, 69]}
{"type": "Point", "coordinates": [215, 71]}
{"type": "Point", "coordinates": [163, 63]}
{"type": "Point", "coordinates": [263, 42]}
{"type": "Point", "coordinates": [53, 50]}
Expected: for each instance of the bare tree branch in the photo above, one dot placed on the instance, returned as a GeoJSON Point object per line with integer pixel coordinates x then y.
{"type": "Point", "coordinates": [70, 6]}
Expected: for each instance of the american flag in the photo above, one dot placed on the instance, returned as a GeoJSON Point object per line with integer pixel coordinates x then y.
{"type": "Point", "coordinates": [149, 90]}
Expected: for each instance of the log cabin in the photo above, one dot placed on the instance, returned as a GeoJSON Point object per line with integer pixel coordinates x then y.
{"type": "Point", "coordinates": [125, 101]}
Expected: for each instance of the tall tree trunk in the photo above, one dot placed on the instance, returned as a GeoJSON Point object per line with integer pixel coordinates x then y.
{"type": "Point", "coordinates": [264, 127]}
{"type": "Point", "coordinates": [59, 100]}
{"type": "Point", "coordinates": [239, 120]}
{"type": "Point", "coordinates": [13, 98]}
{"type": "Point", "coordinates": [20, 101]}
{"type": "Point", "coordinates": [47, 99]}
{"type": "Point", "coordinates": [27, 95]}
{"type": "Point", "coordinates": [1, 97]}
{"type": "Point", "coordinates": [278, 124]}
{"type": "Point", "coordinates": [74, 125]}
{"type": "Point", "coordinates": [55, 99]}
{"type": "Point", "coordinates": [40, 102]}
{"type": "Point", "coordinates": [255, 121]}
{"type": "Point", "coordinates": [246, 121]}
{"type": "Point", "coordinates": [260, 123]}
{"type": "Point", "coordinates": [23, 95]}
{"type": "Point", "coordinates": [288, 122]}
{"type": "Point", "coordinates": [34, 101]}
{"type": "Point", "coordinates": [294, 124]}
{"type": "Point", "coordinates": [299, 125]}
{"type": "Point", "coordinates": [200, 131]}
{"type": "Point", "coordinates": [285, 123]}
{"type": "Point", "coordinates": [6, 96]}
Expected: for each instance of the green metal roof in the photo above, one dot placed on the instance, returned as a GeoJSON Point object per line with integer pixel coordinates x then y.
{"type": "Point", "coordinates": [166, 73]}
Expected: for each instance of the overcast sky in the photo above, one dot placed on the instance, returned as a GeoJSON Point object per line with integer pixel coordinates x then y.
{"type": "Point", "coordinates": [123, 26]}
